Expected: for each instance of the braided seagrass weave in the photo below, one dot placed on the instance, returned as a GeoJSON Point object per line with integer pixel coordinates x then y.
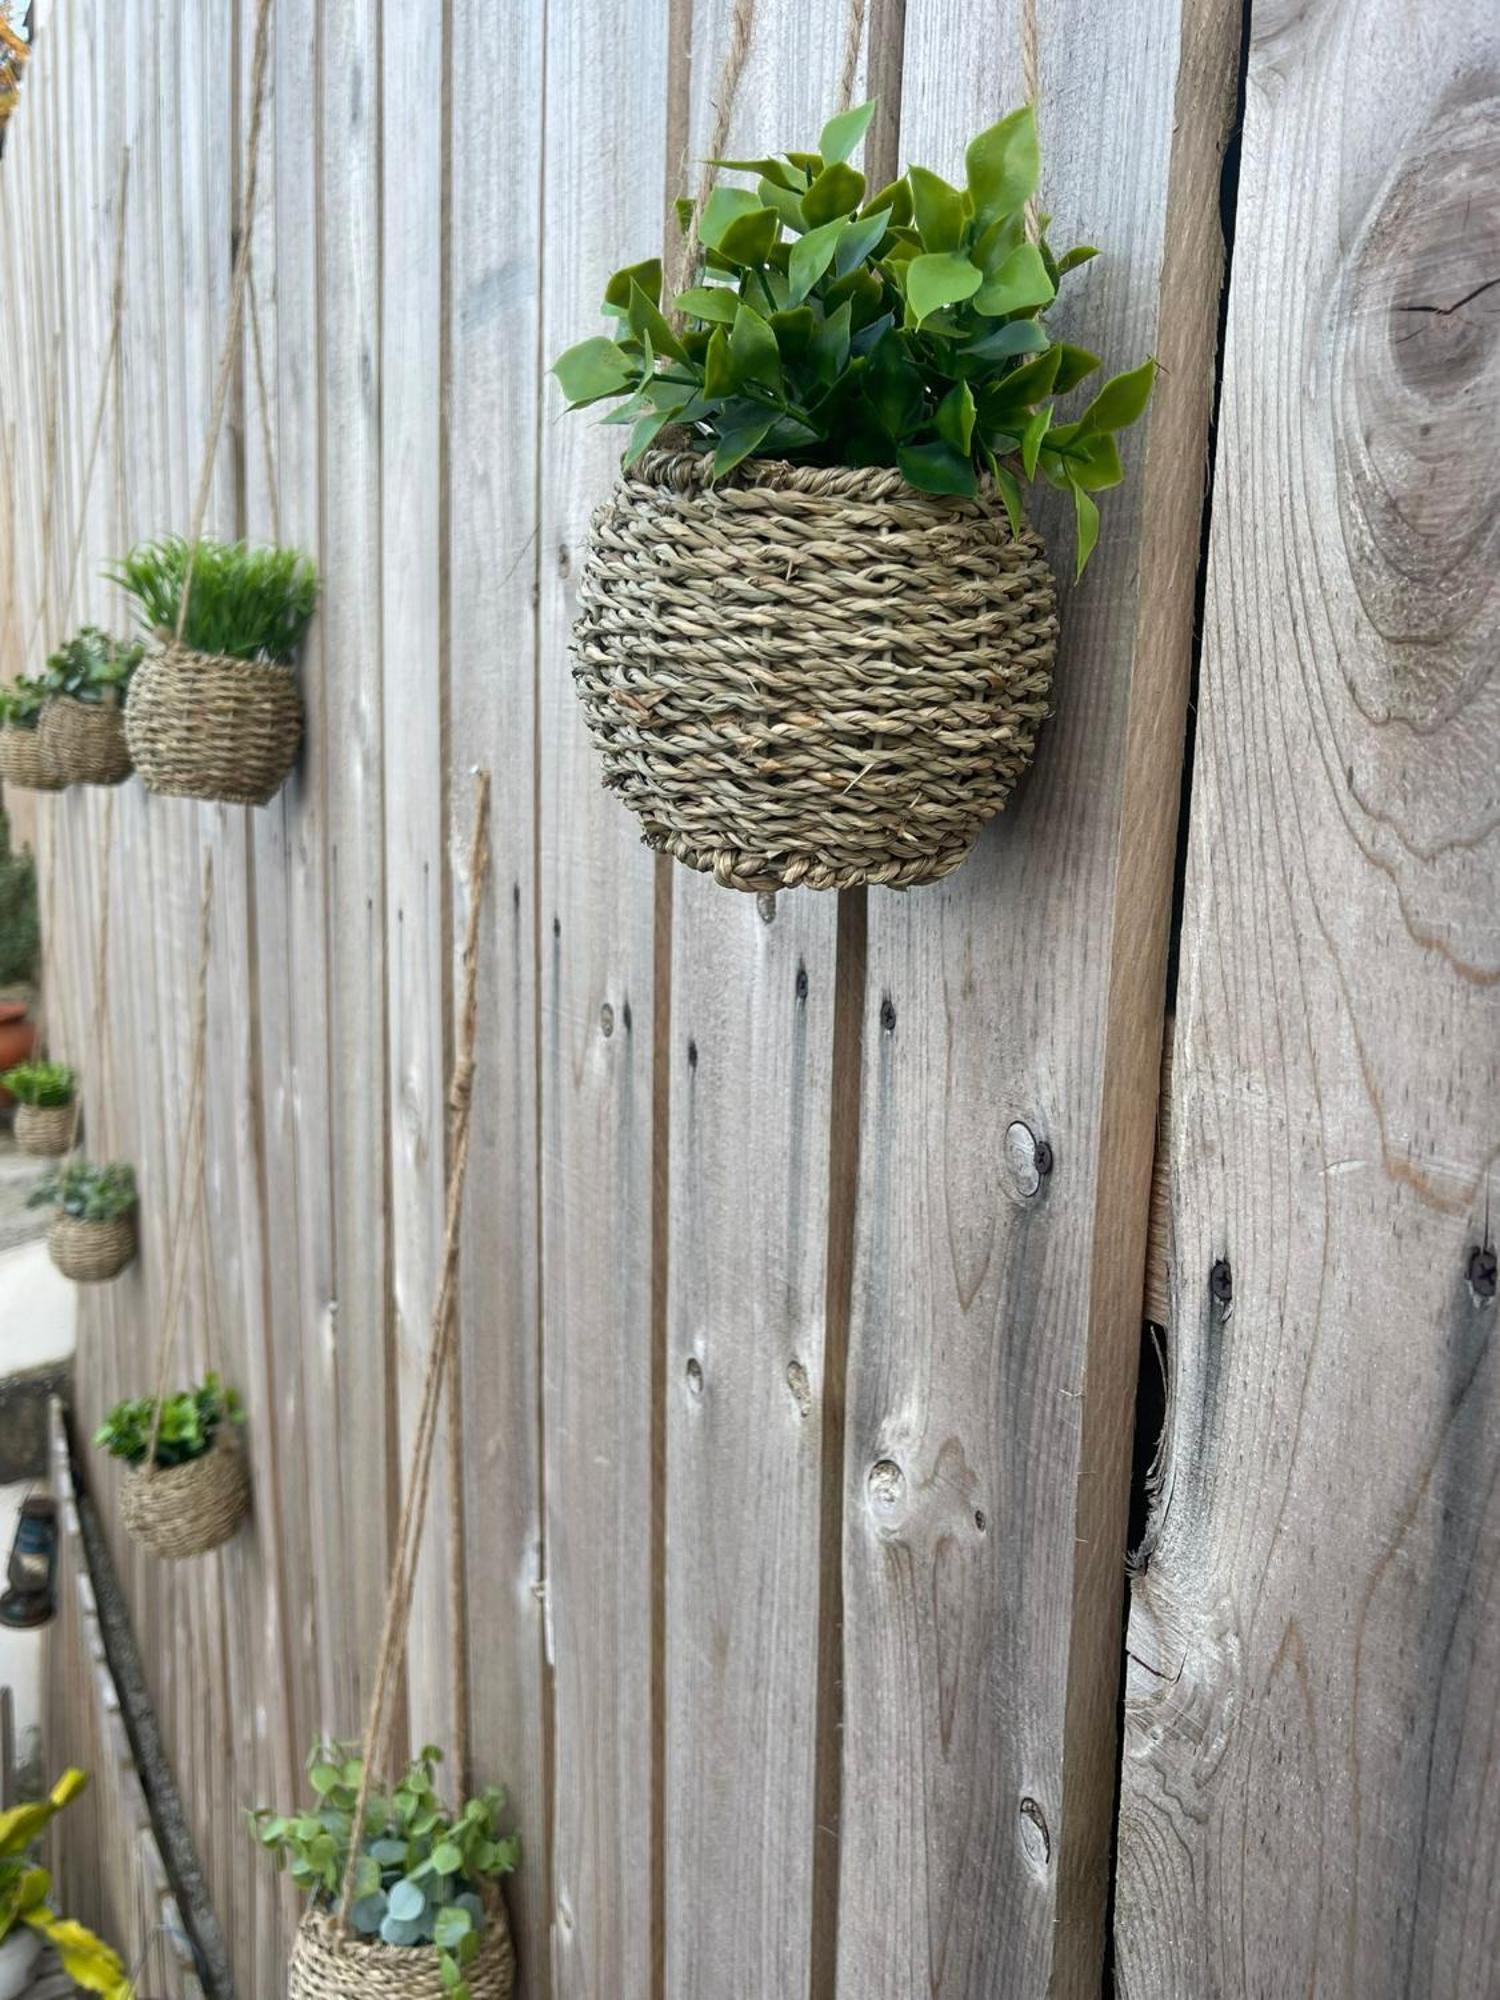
{"type": "Point", "coordinates": [84, 741]}
{"type": "Point", "coordinates": [326, 1967]}
{"type": "Point", "coordinates": [24, 761]}
{"type": "Point", "coordinates": [90, 1252]}
{"type": "Point", "coordinates": [186, 1510]}
{"type": "Point", "coordinates": [203, 726]}
{"type": "Point", "coordinates": [808, 675]}
{"type": "Point", "coordinates": [45, 1130]}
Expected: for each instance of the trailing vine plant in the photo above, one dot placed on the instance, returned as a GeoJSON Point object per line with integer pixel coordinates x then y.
{"type": "Point", "coordinates": [834, 326]}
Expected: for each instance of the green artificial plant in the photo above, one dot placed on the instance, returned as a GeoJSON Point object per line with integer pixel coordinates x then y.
{"type": "Point", "coordinates": [836, 326]}
{"type": "Point", "coordinates": [24, 1889]}
{"type": "Point", "coordinates": [21, 703]}
{"type": "Point", "coordinates": [424, 1871]}
{"type": "Point", "coordinates": [46, 1084]}
{"type": "Point", "coordinates": [93, 667]}
{"type": "Point", "coordinates": [245, 603]}
{"type": "Point", "coordinates": [86, 1192]}
{"type": "Point", "coordinates": [190, 1423]}
{"type": "Point", "coordinates": [20, 934]}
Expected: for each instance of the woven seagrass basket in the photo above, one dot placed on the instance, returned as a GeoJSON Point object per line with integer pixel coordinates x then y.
{"type": "Point", "coordinates": [24, 761]}
{"type": "Point", "coordinates": [810, 676]}
{"type": "Point", "coordinates": [91, 1252]}
{"type": "Point", "coordinates": [45, 1130]}
{"type": "Point", "coordinates": [204, 726]}
{"type": "Point", "coordinates": [84, 741]}
{"type": "Point", "coordinates": [186, 1510]}
{"type": "Point", "coordinates": [327, 1967]}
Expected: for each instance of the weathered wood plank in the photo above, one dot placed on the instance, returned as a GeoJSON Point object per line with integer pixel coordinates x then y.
{"type": "Point", "coordinates": [603, 190]}
{"type": "Point", "coordinates": [493, 284]}
{"type": "Point", "coordinates": [1309, 1800]}
{"type": "Point", "coordinates": [1011, 1031]}
{"type": "Point", "coordinates": [752, 1001]}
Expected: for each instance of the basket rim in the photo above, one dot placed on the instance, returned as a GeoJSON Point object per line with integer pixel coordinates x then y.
{"type": "Point", "coordinates": [174, 652]}
{"type": "Point", "coordinates": [686, 474]}
{"type": "Point", "coordinates": [156, 1476]}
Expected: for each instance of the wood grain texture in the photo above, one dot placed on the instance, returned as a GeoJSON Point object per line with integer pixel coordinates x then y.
{"type": "Point", "coordinates": [603, 190]}
{"type": "Point", "coordinates": [1310, 1800]}
{"type": "Point", "coordinates": [1010, 1039]}
{"type": "Point", "coordinates": [752, 1010]}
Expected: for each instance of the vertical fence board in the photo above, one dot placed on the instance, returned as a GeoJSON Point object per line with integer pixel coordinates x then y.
{"type": "Point", "coordinates": [1309, 1795]}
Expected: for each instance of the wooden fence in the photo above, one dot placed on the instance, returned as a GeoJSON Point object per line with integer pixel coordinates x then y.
{"type": "Point", "coordinates": [802, 1266]}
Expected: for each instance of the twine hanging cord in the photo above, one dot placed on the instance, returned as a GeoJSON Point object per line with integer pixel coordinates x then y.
{"type": "Point", "coordinates": [444, 1329]}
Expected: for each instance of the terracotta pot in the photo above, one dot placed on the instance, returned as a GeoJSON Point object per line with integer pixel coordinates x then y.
{"type": "Point", "coordinates": [17, 1039]}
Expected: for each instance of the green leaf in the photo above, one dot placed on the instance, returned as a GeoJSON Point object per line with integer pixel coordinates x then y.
{"type": "Point", "coordinates": [757, 358]}
{"type": "Point", "coordinates": [793, 329]}
{"type": "Point", "coordinates": [1019, 284]}
{"type": "Point", "coordinates": [737, 442]}
{"type": "Point", "coordinates": [1086, 516]}
{"type": "Point", "coordinates": [1017, 336]}
{"type": "Point", "coordinates": [842, 134]}
{"type": "Point", "coordinates": [893, 386]}
{"type": "Point", "coordinates": [830, 344]}
{"type": "Point", "coordinates": [749, 239]}
{"type": "Point", "coordinates": [451, 1927]}
{"type": "Point", "coordinates": [1121, 401]}
{"type": "Point", "coordinates": [648, 323]}
{"type": "Point", "coordinates": [810, 257]}
{"type": "Point", "coordinates": [324, 1779]}
{"type": "Point", "coordinates": [777, 172]}
{"type": "Point", "coordinates": [720, 372]}
{"type": "Point", "coordinates": [723, 207]}
{"type": "Point", "coordinates": [406, 1901]}
{"type": "Point", "coordinates": [646, 275]}
{"type": "Point", "coordinates": [447, 1858]}
{"type": "Point", "coordinates": [939, 279]}
{"type": "Point", "coordinates": [838, 190]}
{"type": "Point", "coordinates": [859, 240]}
{"type": "Point", "coordinates": [1093, 462]}
{"type": "Point", "coordinates": [1031, 438]}
{"type": "Point", "coordinates": [786, 202]}
{"type": "Point", "coordinates": [1003, 165]}
{"type": "Point", "coordinates": [937, 468]}
{"type": "Point", "coordinates": [593, 369]}
{"type": "Point", "coordinates": [895, 196]}
{"type": "Point", "coordinates": [1070, 260]}
{"type": "Point", "coordinates": [1010, 493]}
{"type": "Point", "coordinates": [1073, 365]}
{"type": "Point", "coordinates": [939, 209]}
{"type": "Point", "coordinates": [955, 417]}
{"type": "Point", "coordinates": [708, 302]}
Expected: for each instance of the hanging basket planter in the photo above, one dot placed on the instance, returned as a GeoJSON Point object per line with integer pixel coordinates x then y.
{"type": "Point", "coordinates": [84, 742]}
{"type": "Point", "coordinates": [206, 726]}
{"type": "Point", "coordinates": [44, 1130]}
{"type": "Point", "coordinates": [24, 761]}
{"type": "Point", "coordinates": [186, 1510]}
{"type": "Point", "coordinates": [326, 1966]}
{"type": "Point", "coordinates": [91, 1252]}
{"type": "Point", "coordinates": [811, 676]}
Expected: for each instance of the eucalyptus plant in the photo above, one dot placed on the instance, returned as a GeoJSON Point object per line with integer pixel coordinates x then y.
{"type": "Point", "coordinates": [94, 667]}
{"type": "Point", "coordinates": [423, 1869]}
{"type": "Point", "coordinates": [191, 1422]}
{"type": "Point", "coordinates": [44, 1084]}
{"type": "Point", "coordinates": [835, 326]}
{"type": "Point", "coordinates": [21, 703]}
{"type": "Point", "coordinates": [87, 1192]}
{"type": "Point", "coordinates": [245, 603]}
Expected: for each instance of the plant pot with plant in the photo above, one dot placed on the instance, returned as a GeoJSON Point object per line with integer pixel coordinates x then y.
{"type": "Point", "coordinates": [427, 1916]}
{"type": "Point", "coordinates": [817, 635]}
{"type": "Point", "coordinates": [218, 713]}
{"type": "Point", "coordinates": [191, 1494]}
{"type": "Point", "coordinates": [24, 760]}
{"type": "Point", "coordinates": [44, 1094]}
{"type": "Point", "coordinates": [82, 725]}
{"type": "Point", "coordinates": [92, 1237]}
{"type": "Point", "coordinates": [28, 1923]}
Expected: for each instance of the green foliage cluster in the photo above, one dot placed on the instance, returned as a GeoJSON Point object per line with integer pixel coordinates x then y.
{"type": "Point", "coordinates": [24, 1889]}
{"type": "Point", "coordinates": [245, 603]}
{"type": "Point", "coordinates": [190, 1422]}
{"type": "Point", "coordinates": [86, 1192]}
{"type": "Point", "coordinates": [20, 931]}
{"type": "Point", "coordinates": [93, 667]}
{"type": "Point", "coordinates": [422, 1868]}
{"type": "Point", "coordinates": [838, 327]}
{"type": "Point", "coordinates": [41, 1083]}
{"type": "Point", "coordinates": [21, 703]}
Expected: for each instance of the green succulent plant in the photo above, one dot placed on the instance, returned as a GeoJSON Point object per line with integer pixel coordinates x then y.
{"type": "Point", "coordinates": [246, 603]}
{"type": "Point", "coordinates": [22, 702]}
{"type": "Point", "coordinates": [41, 1083]}
{"type": "Point", "coordinates": [87, 1192]}
{"type": "Point", "coordinates": [94, 667]}
{"type": "Point", "coordinates": [835, 326]}
{"type": "Point", "coordinates": [423, 1870]}
{"type": "Point", "coordinates": [190, 1422]}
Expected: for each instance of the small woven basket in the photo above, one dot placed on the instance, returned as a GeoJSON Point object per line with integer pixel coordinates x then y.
{"type": "Point", "coordinates": [84, 741]}
{"type": "Point", "coordinates": [810, 676]}
{"type": "Point", "coordinates": [203, 726]}
{"type": "Point", "coordinates": [186, 1510]}
{"type": "Point", "coordinates": [24, 761]}
{"type": "Point", "coordinates": [45, 1130]}
{"type": "Point", "coordinates": [326, 1966]}
{"type": "Point", "coordinates": [91, 1252]}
